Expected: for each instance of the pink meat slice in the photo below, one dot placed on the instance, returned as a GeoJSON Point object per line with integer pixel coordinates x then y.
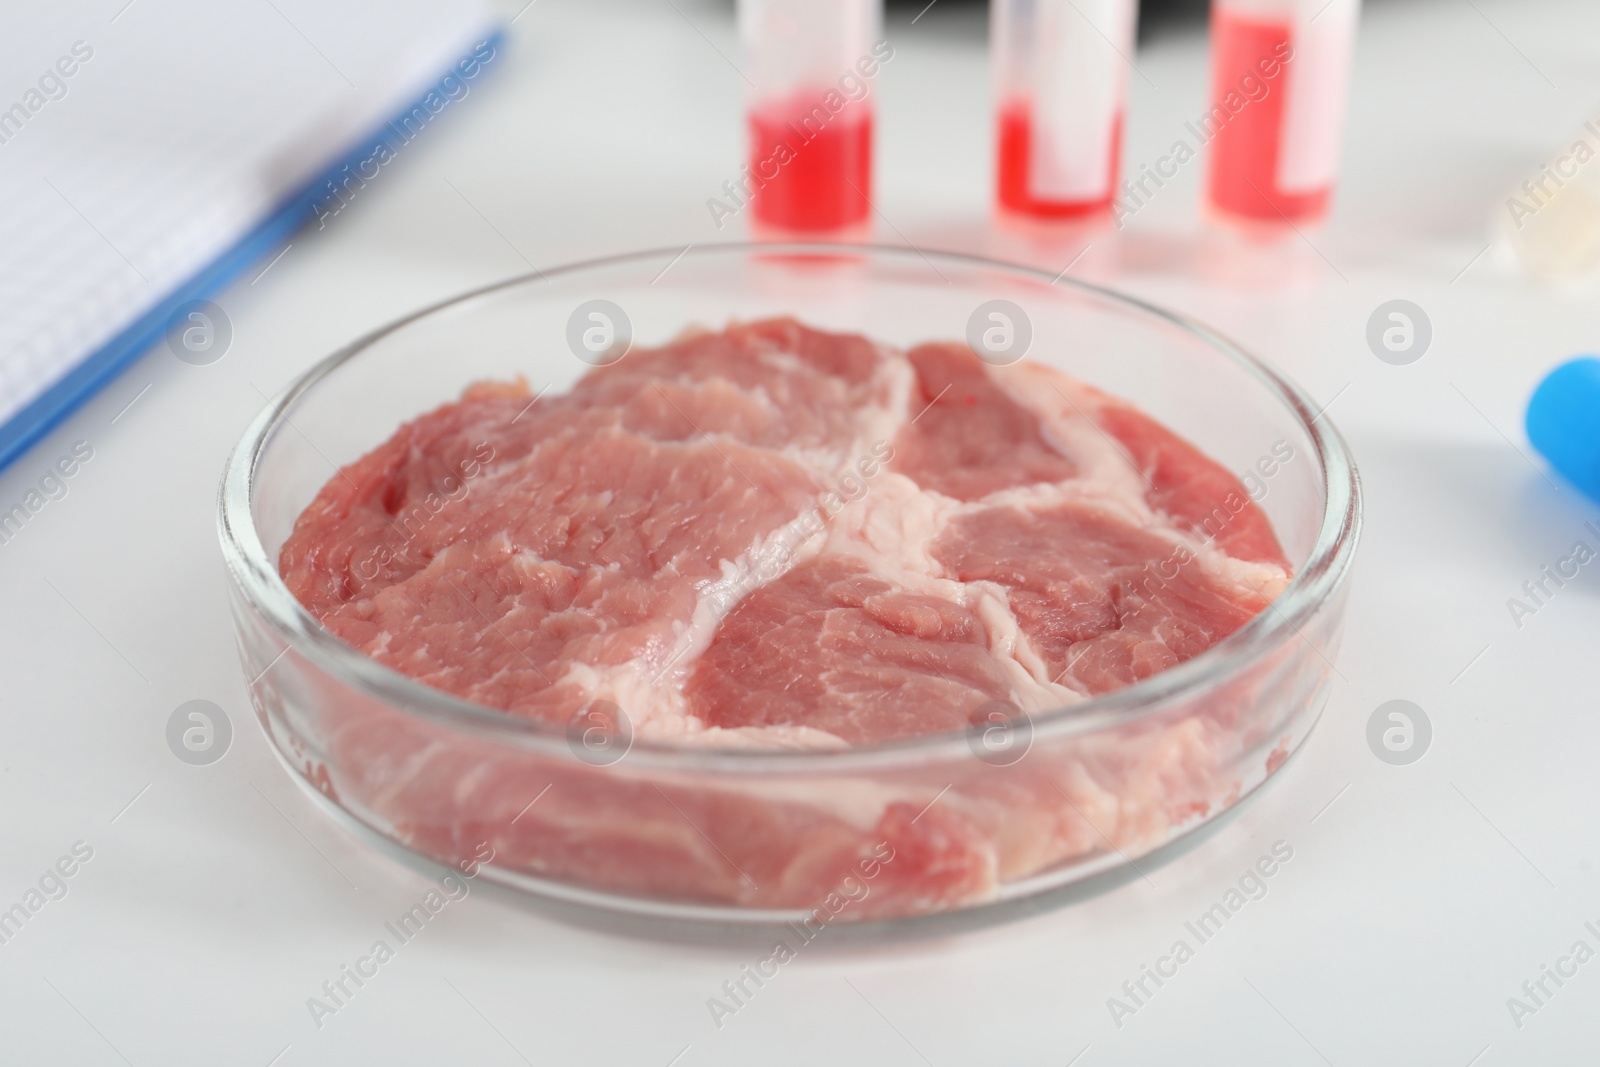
{"type": "Point", "coordinates": [830, 646]}
{"type": "Point", "coordinates": [584, 535]}
{"type": "Point", "coordinates": [506, 549]}
{"type": "Point", "coordinates": [591, 554]}
{"type": "Point", "coordinates": [774, 384]}
{"type": "Point", "coordinates": [969, 438]}
{"type": "Point", "coordinates": [353, 537]}
{"type": "Point", "coordinates": [1194, 490]}
{"type": "Point", "coordinates": [1106, 603]}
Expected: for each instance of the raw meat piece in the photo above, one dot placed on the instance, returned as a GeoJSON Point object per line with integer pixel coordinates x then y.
{"type": "Point", "coordinates": [1104, 603]}
{"type": "Point", "coordinates": [831, 647]}
{"type": "Point", "coordinates": [777, 536]}
{"type": "Point", "coordinates": [1200, 496]}
{"type": "Point", "coordinates": [970, 439]}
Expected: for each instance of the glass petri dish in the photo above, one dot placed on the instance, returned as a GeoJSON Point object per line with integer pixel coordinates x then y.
{"type": "Point", "coordinates": [882, 832]}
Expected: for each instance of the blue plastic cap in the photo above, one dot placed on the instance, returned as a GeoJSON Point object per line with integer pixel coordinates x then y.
{"type": "Point", "coordinates": [1564, 422]}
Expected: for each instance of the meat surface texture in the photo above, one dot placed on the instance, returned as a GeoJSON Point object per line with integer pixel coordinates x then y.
{"type": "Point", "coordinates": [774, 536]}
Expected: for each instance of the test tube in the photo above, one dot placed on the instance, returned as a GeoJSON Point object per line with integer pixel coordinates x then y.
{"type": "Point", "coordinates": [1061, 72]}
{"type": "Point", "coordinates": [812, 65]}
{"type": "Point", "coordinates": [1279, 74]}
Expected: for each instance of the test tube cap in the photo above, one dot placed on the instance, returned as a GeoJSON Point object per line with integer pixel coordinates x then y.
{"type": "Point", "coordinates": [1564, 422]}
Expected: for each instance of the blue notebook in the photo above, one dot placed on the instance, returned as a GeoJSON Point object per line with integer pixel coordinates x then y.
{"type": "Point", "coordinates": [149, 157]}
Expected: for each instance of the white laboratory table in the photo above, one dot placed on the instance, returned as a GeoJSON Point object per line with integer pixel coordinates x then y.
{"type": "Point", "coordinates": [217, 899]}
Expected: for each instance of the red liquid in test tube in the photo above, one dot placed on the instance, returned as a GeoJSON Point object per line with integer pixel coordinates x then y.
{"type": "Point", "coordinates": [1060, 81]}
{"type": "Point", "coordinates": [816, 176]}
{"type": "Point", "coordinates": [1280, 70]}
{"type": "Point", "coordinates": [813, 65]}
